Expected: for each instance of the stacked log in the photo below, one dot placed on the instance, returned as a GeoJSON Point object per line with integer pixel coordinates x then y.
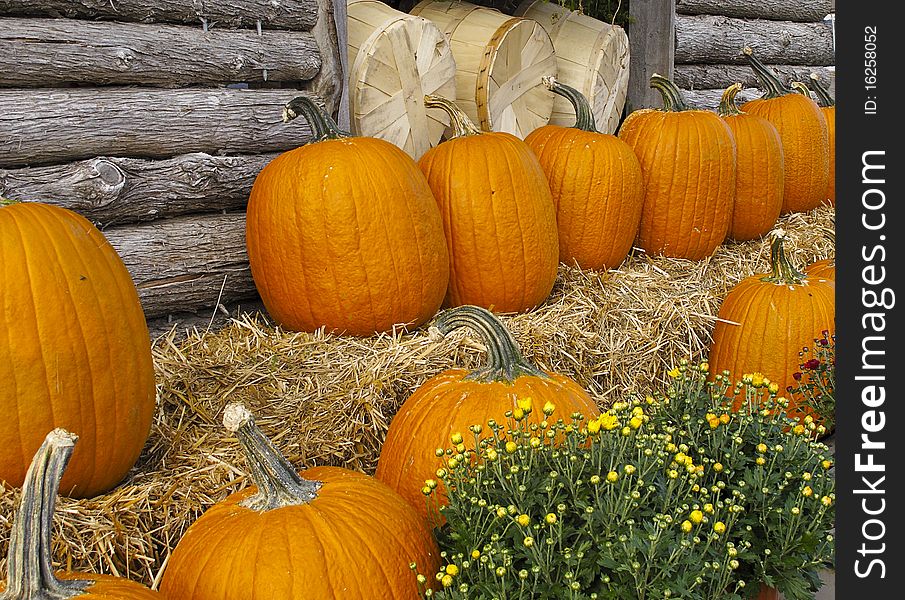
{"type": "Point", "coordinates": [791, 36]}
{"type": "Point", "coordinates": [153, 118]}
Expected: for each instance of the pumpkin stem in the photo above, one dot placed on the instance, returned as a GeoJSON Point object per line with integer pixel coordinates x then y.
{"type": "Point", "coordinates": [461, 124]}
{"type": "Point", "coordinates": [823, 95]}
{"type": "Point", "coordinates": [669, 91]}
{"type": "Point", "coordinates": [277, 481]}
{"type": "Point", "coordinates": [505, 362]}
{"type": "Point", "coordinates": [801, 88]}
{"type": "Point", "coordinates": [7, 201]}
{"type": "Point", "coordinates": [768, 79]}
{"type": "Point", "coordinates": [322, 125]}
{"type": "Point", "coordinates": [728, 107]}
{"type": "Point", "coordinates": [31, 575]}
{"type": "Point", "coordinates": [584, 118]}
{"type": "Point", "coordinates": [782, 271]}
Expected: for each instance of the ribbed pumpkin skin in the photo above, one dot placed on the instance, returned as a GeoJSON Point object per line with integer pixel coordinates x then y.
{"type": "Point", "coordinates": [499, 221]}
{"type": "Point", "coordinates": [355, 541]}
{"type": "Point", "coordinates": [688, 162]}
{"type": "Point", "coordinates": [74, 348]}
{"type": "Point", "coordinates": [805, 143]}
{"type": "Point", "coordinates": [775, 321]}
{"type": "Point", "coordinates": [598, 192]}
{"type": "Point", "coordinates": [824, 268]}
{"type": "Point", "coordinates": [345, 234]}
{"type": "Point", "coordinates": [759, 176]}
{"type": "Point", "coordinates": [106, 587]}
{"type": "Point", "coordinates": [449, 403]}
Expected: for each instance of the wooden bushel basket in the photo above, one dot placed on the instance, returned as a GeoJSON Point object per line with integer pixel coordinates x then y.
{"type": "Point", "coordinates": [500, 62]}
{"type": "Point", "coordinates": [591, 55]}
{"type": "Point", "coordinates": [395, 59]}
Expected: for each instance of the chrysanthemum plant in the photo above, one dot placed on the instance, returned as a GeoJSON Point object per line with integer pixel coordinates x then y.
{"type": "Point", "coordinates": [668, 497]}
{"type": "Point", "coordinates": [816, 381]}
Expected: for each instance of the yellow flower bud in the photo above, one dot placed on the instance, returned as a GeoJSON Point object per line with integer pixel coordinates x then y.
{"type": "Point", "coordinates": [456, 438]}
{"type": "Point", "coordinates": [612, 476]}
{"type": "Point", "coordinates": [719, 527]}
{"type": "Point", "coordinates": [718, 467]}
{"type": "Point", "coordinates": [674, 372]}
{"type": "Point", "coordinates": [725, 418]}
{"type": "Point", "coordinates": [511, 447]}
{"type": "Point", "coordinates": [807, 491]}
{"type": "Point", "coordinates": [525, 404]}
{"type": "Point", "coordinates": [446, 580]}
{"type": "Point", "coordinates": [761, 448]}
{"type": "Point", "coordinates": [452, 570]}
{"type": "Point", "coordinates": [518, 414]}
{"type": "Point", "coordinates": [696, 516]}
{"type": "Point", "coordinates": [714, 423]}
{"type": "Point", "coordinates": [550, 518]}
{"type": "Point", "coordinates": [476, 554]}
{"type": "Point", "coordinates": [686, 526]}
{"type": "Point", "coordinates": [549, 408]}
{"type": "Point", "coordinates": [523, 520]}
{"type": "Point", "coordinates": [635, 422]}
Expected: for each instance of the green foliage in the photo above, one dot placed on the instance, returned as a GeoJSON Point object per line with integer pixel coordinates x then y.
{"type": "Point", "coordinates": [669, 497]}
{"type": "Point", "coordinates": [816, 386]}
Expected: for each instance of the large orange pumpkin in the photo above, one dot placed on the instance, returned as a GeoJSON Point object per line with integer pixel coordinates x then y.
{"type": "Point", "coordinates": [498, 216]}
{"type": "Point", "coordinates": [759, 170]}
{"type": "Point", "coordinates": [30, 568]}
{"type": "Point", "coordinates": [828, 108]}
{"type": "Point", "coordinates": [804, 134]}
{"type": "Point", "coordinates": [454, 400]}
{"type": "Point", "coordinates": [344, 233]}
{"type": "Point", "coordinates": [74, 348]}
{"type": "Point", "coordinates": [596, 183]}
{"type": "Point", "coordinates": [327, 533]}
{"type": "Point", "coordinates": [688, 161]}
{"type": "Point", "coordinates": [766, 320]}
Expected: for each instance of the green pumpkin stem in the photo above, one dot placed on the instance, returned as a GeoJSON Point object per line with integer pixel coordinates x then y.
{"type": "Point", "coordinates": [584, 118]}
{"type": "Point", "coordinates": [459, 121]}
{"type": "Point", "coordinates": [728, 107]}
{"type": "Point", "coordinates": [277, 481]}
{"type": "Point", "coordinates": [7, 201]}
{"type": "Point", "coordinates": [782, 271]}
{"type": "Point", "coordinates": [505, 361]}
{"type": "Point", "coordinates": [322, 125]}
{"type": "Point", "coordinates": [801, 88]}
{"type": "Point", "coordinates": [669, 91]}
{"type": "Point", "coordinates": [31, 575]}
{"type": "Point", "coordinates": [773, 87]}
{"type": "Point", "coordinates": [823, 95]}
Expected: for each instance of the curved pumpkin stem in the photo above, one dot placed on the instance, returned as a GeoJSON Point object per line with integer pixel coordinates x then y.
{"type": "Point", "coordinates": [278, 482]}
{"type": "Point", "coordinates": [584, 118]}
{"type": "Point", "coordinates": [322, 125]}
{"type": "Point", "coordinates": [823, 95]}
{"type": "Point", "coordinates": [31, 575]}
{"type": "Point", "coordinates": [672, 96]}
{"type": "Point", "coordinates": [728, 107]}
{"type": "Point", "coordinates": [782, 271]}
{"type": "Point", "coordinates": [801, 88]}
{"type": "Point", "coordinates": [459, 121]}
{"type": "Point", "coordinates": [505, 362]}
{"type": "Point", "coordinates": [774, 88]}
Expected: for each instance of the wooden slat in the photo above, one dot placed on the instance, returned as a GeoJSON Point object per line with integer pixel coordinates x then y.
{"type": "Point", "coordinates": [117, 191]}
{"type": "Point", "coordinates": [779, 10]}
{"type": "Point", "coordinates": [652, 47]}
{"type": "Point", "coordinates": [47, 126]}
{"type": "Point", "coordinates": [54, 52]}
{"type": "Point", "coordinates": [284, 14]}
{"type": "Point", "coordinates": [182, 264]}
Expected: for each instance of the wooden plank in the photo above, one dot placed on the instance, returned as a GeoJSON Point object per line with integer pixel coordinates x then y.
{"type": "Point", "coordinates": [712, 39]}
{"type": "Point", "coordinates": [331, 83]}
{"type": "Point", "coordinates": [777, 10]}
{"type": "Point", "coordinates": [182, 264]}
{"type": "Point", "coordinates": [652, 48]}
{"type": "Point", "coordinates": [284, 14]}
{"type": "Point", "coordinates": [116, 191]}
{"type": "Point", "coordinates": [47, 126]}
{"type": "Point", "coordinates": [54, 52]}
{"type": "Point", "coordinates": [722, 76]}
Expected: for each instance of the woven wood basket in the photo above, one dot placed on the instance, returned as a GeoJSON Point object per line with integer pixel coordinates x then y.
{"type": "Point", "coordinates": [500, 61]}
{"type": "Point", "coordinates": [395, 59]}
{"type": "Point", "coordinates": [592, 56]}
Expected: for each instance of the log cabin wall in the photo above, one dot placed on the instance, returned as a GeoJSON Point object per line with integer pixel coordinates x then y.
{"type": "Point", "coordinates": [152, 119]}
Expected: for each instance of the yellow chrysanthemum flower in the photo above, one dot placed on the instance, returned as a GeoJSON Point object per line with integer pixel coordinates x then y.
{"type": "Point", "coordinates": [525, 404]}
{"type": "Point", "coordinates": [452, 570]}
{"type": "Point", "coordinates": [549, 408]}
{"type": "Point", "coordinates": [719, 527]}
{"type": "Point", "coordinates": [696, 516]}
{"type": "Point", "coordinates": [523, 520]}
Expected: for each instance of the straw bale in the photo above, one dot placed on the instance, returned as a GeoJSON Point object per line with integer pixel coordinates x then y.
{"type": "Point", "coordinates": [327, 399]}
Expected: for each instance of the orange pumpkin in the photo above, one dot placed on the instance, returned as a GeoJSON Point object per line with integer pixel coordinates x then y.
{"type": "Point", "coordinates": [31, 575]}
{"type": "Point", "coordinates": [766, 319]}
{"type": "Point", "coordinates": [456, 399]}
{"type": "Point", "coordinates": [327, 533]}
{"type": "Point", "coordinates": [498, 216]}
{"type": "Point", "coordinates": [74, 351]}
{"type": "Point", "coordinates": [344, 233]}
{"type": "Point", "coordinates": [759, 170]}
{"type": "Point", "coordinates": [805, 138]}
{"type": "Point", "coordinates": [828, 108]}
{"type": "Point", "coordinates": [688, 163]}
{"type": "Point", "coordinates": [596, 183]}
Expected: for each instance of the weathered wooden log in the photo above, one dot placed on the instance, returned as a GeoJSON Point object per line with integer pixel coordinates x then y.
{"type": "Point", "coordinates": [186, 264]}
{"type": "Point", "coordinates": [277, 14]}
{"type": "Point", "coordinates": [46, 126]}
{"type": "Point", "coordinates": [710, 99]}
{"type": "Point", "coordinates": [117, 191]}
{"type": "Point", "coordinates": [54, 52]}
{"type": "Point", "coordinates": [778, 10]}
{"type": "Point", "coordinates": [651, 49]}
{"type": "Point", "coordinates": [711, 39]}
{"type": "Point", "coordinates": [702, 77]}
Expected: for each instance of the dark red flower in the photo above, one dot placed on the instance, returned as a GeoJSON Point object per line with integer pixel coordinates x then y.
{"type": "Point", "coordinates": [812, 364]}
{"type": "Point", "coordinates": [797, 375]}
